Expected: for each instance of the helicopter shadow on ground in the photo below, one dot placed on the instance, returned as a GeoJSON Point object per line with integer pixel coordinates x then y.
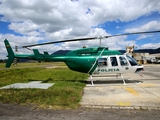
{"type": "Point", "coordinates": [54, 80]}
{"type": "Point", "coordinates": [98, 81]}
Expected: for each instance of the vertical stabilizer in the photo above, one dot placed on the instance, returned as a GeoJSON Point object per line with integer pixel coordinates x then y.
{"type": "Point", "coordinates": [11, 54]}
{"type": "Point", "coordinates": [37, 55]}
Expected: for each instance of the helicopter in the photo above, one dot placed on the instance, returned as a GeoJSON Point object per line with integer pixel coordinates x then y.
{"type": "Point", "coordinates": [97, 60]}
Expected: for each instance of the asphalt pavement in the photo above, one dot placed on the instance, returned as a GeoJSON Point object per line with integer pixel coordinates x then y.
{"type": "Point", "coordinates": [140, 92]}
{"type": "Point", "coordinates": [139, 99]}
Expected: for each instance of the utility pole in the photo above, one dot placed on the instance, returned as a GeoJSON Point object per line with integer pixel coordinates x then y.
{"type": "Point", "coordinates": [15, 59]}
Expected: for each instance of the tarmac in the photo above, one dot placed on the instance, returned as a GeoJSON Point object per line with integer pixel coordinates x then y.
{"type": "Point", "coordinates": [142, 91]}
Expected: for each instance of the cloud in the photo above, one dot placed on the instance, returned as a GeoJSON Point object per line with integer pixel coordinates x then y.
{"type": "Point", "coordinates": [150, 46]}
{"type": "Point", "coordinates": [25, 28]}
{"type": "Point", "coordinates": [117, 27]}
{"type": "Point", "coordinates": [152, 25]}
{"type": "Point", "coordinates": [16, 41]}
{"type": "Point", "coordinates": [141, 37]}
{"type": "Point", "coordinates": [52, 16]}
{"type": "Point", "coordinates": [48, 20]}
{"type": "Point", "coordinates": [149, 26]}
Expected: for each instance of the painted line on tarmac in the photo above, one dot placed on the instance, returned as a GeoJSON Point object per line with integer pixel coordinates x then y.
{"type": "Point", "coordinates": [132, 91]}
{"type": "Point", "coordinates": [123, 104]}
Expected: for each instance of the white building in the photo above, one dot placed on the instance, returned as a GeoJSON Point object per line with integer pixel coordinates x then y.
{"type": "Point", "coordinates": [142, 57]}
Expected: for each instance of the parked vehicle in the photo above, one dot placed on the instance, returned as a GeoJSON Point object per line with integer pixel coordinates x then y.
{"type": "Point", "coordinates": [158, 62]}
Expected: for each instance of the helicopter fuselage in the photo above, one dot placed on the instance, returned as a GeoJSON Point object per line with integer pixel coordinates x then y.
{"type": "Point", "coordinates": [97, 60]}
{"type": "Point", "coordinates": [103, 64]}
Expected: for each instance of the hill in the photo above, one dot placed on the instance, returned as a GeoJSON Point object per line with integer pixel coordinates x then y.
{"type": "Point", "coordinates": [60, 52]}
{"type": "Point", "coordinates": [150, 51]}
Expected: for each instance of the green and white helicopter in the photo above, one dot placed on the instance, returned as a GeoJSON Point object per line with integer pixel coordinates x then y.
{"type": "Point", "coordinates": [98, 60]}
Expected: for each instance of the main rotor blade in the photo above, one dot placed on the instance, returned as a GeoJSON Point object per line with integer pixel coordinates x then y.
{"type": "Point", "coordinates": [132, 33]}
{"type": "Point", "coordinates": [91, 38]}
{"type": "Point", "coordinates": [79, 39]}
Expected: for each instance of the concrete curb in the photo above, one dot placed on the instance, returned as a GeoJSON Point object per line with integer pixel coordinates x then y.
{"type": "Point", "coordinates": [122, 107]}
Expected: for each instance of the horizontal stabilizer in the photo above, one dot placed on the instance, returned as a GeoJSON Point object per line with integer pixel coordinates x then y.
{"type": "Point", "coordinates": [46, 53]}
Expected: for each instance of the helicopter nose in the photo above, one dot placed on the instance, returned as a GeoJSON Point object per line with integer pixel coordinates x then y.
{"type": "Point", "coordinates": [139, 68]}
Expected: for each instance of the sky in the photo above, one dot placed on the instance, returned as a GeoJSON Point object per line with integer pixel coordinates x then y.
{"type": "Point", "coordinates": [25, 22]}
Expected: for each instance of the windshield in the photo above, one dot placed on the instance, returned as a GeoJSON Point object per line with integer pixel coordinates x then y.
{"type": "Point", "coordinates": [132, 61]}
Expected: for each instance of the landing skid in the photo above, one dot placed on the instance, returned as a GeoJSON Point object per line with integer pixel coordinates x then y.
{"type": "Point", "coordinates": [124, 83]}
{"type": "Point", "coordinates": [117, 75]}
{"type": "Point", "coordinates": [91, 78]}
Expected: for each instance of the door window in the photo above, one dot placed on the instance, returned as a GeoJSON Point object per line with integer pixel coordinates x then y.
{"type": "Point", "coordinates": [102, 61]}
{"type": "Point", "coordinates": [113, 61]}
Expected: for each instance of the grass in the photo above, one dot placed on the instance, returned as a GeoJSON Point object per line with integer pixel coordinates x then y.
{"type": "Point", "coordinates": [65, 93]}
{"type": "Point", "coordinates": [33, 64]}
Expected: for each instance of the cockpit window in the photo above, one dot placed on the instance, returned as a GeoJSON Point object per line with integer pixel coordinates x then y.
{"type": "Point", "coordinates": [132, 61]}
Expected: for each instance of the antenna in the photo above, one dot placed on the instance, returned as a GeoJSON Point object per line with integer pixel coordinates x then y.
{"type": "Point", "coordinates": [100, 42]}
